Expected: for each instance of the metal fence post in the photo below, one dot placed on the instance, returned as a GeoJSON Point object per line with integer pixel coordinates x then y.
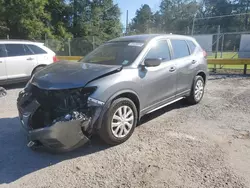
{"type": "Point", "coordinates": [93, 42]}
{"type": "Point", "coordinates": [193, 25]}
{"type": "Point", "coordinates": [69, 46]}
{"type": "Point", "coordinates": [217, 45]}
{"type": "Point", "coordinates": [222, 45]}
{"type": "Point", "coordinates": [217, 42]}
{"type": "Point", "coordinates": [245, 69]}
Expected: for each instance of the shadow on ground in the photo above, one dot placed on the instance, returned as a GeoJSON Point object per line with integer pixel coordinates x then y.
{"type": "Point", "coordinates": [14, 86]}
{"type": "Point", "coordinates": [16, 160]}
{"type": "Point", "coordinates": [216, 76]}
{"type": "Point", "coordinates": [151, 116]}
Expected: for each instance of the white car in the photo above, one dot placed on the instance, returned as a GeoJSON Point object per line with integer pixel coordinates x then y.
{"type": "Point", "coordinates": [19, 60]}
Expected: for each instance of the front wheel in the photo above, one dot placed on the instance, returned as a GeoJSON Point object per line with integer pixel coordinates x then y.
{"type": "Point", "coordinates": [120, 122]}
{"type": "Point", "coordinates": [197, 91]}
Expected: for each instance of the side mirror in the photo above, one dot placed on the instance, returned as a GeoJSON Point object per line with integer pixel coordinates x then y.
{"type": "Point", "coordinates": [152, 62]}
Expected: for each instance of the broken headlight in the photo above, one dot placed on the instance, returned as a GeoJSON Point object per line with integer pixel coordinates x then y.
{"type": "Point", "coordinates": [56, 104]}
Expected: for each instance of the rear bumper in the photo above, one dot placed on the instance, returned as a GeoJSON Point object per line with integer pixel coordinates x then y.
{"type": "Point", "coordinates": [60, 136]}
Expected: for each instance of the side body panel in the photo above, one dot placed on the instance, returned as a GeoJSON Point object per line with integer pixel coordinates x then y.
{"type": "Point", "coordinates": [3, 72]}
{"type": "Point", "coordinates": [20, 66]}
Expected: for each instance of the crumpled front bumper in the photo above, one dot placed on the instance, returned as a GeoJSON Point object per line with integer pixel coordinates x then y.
{"type": "Point", "coordinates": [61, 136]}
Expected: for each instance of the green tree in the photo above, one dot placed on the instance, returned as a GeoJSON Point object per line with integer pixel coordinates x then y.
{"type": "Point", "coordinates": [96, 18]}
{"type": "Point", "coordinates": [177, 15]}
{"type": "Point", "coordinates": [143, 21]}
{"type": "Point", "coordinates": [212, 8]}
{"type": "Point", "coordinates": [242, 6]}
{"type": "Point", "coordinates": [60, 15]}
{"type": "Point", "coordinates": [25, 19]}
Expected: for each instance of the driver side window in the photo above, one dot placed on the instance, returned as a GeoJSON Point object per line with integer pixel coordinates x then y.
{"type": "Point", "coordinates": [159, 51]}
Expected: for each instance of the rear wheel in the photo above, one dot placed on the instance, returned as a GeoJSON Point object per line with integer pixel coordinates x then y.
{"type": "Point", "coordinates": [197, 91]}
{"type": "Point", "coordinates": [120, 121]}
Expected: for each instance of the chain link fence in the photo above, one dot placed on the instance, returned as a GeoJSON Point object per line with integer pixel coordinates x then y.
{"type": "Point", "coordinates": [73, 47]}
{"type": "Point", "coordinates": [226, 45]}
{"type": "Point", "coordinates": [219, 45]}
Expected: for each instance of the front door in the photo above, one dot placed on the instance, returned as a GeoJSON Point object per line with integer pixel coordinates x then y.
{"type": "Point", "coordinates": [20, 61]}
{"type": "Point", "coordinates": [159, 83]}
{"type": "Point", "coordinates": [3, 73]}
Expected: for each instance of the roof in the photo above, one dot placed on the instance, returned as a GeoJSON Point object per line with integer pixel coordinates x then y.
{"type": "Point", "coordinates": [147, 37]}
{"type": "Point", "coordinates": [143, 38]}
{"type": "Point", "coordinates": [20, 41]}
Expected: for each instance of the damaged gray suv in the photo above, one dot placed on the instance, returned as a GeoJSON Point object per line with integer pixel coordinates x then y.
{"type": "Point", "coordinates": [109, 90]}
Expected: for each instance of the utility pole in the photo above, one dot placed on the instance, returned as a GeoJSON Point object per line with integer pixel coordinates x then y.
{"type": "Point", "coordinates": [127, 23]}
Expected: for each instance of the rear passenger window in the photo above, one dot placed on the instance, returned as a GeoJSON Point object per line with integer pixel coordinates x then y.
{"type": "Point", "coordinates": [159, 51]}
{"type": "Point", "coordinates": [2, 51]}
{"type": "Point", "coordinates": [17, 50]}
{"type": "Point", "coordinates": [36, 49]}
{"type": "Point", "coordinates": [27, 50]}
{"type": "Point", "coordinates": [180, 48]}
{"type": "Point", "coordinates": [192, 46]}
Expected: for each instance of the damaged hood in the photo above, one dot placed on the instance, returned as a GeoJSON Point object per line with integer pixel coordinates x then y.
{"type": "Point", "coordinates": [67, 74]}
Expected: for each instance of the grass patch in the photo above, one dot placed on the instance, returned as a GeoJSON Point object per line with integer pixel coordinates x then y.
{"type": "Point", "coordinates": [225, 55]}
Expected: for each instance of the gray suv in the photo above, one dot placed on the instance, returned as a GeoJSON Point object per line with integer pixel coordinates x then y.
{"type": "Point", "coordinates": [109, 90]}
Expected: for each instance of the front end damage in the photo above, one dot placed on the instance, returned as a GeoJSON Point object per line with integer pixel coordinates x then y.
{"type": "Point", "coordinates": [59, 120]}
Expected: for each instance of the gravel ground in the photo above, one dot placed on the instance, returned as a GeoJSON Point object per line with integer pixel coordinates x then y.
{"type": "Point", "coordinates": [206, 145]}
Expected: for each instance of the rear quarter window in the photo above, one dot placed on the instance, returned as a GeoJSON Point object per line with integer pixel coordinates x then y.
{"type": "Point", "coordinates": [36, 49]}
{"type": "Point", "coordinates": [192, 46]}
{"type": "Point", "coordinates": [180, 48]}
{"type": "Point", "coordinates": [2, 51]}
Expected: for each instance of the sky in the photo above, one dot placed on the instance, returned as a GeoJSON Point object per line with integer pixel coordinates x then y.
{"type": "Point", "coordinates": [133, 5]}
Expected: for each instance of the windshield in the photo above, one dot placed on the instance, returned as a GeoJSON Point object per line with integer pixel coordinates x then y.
{"type": "Point", "coordinates": [115, 53]}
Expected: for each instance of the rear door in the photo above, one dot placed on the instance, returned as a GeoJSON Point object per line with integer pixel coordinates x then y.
{"type": "Point", "coordinates": [185, 64]}
{"type": "Point", "coordinates": [20, 61]}
{"type": "Point", "coordinates": [42, 56]}
{"type": "Point", "coordinates": [3, 72]}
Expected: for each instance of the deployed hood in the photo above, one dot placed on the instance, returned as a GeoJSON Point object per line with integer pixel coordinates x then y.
{"type": "Point", "coordinates": [67, 74]}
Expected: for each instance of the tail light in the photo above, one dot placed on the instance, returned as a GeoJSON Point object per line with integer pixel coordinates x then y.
{"type": "Point", "coordinates": [55, 59]}
{"type": "Point", "coordinates": [204, 53]}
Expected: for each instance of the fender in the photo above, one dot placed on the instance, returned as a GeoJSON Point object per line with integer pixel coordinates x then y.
{"type": "Point", "coordinates": [203, 72]}
{"type": "Point", "coordinates": [98, 123]}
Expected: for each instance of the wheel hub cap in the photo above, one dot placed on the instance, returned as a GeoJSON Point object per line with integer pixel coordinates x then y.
{"type": "Point", "coordinates": [199, 88]}
{"type": "Point", "coordinates": [122, 121]}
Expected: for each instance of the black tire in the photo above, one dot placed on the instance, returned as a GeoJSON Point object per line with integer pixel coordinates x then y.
{"type": "Point", "coordinates": [106, 133]}
{"type": "Point", "coordinates": [37, 70]}
{"type": "Point", "coordinates": [192, 99]}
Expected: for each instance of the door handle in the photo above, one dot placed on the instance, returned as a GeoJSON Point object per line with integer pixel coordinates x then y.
{"type": "Point", "coordinates": [194, 61]}
{"type": "Point", "coordinates": [172, 69]}
{"type": "Point", "coordinates": [29, 59]}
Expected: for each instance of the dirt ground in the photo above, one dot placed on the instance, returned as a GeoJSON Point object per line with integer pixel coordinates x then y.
{"type": "Point", "coordinates": [207, 145]}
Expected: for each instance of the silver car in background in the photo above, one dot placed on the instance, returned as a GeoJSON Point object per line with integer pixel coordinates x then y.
{"type": "Point", "coordinates": [108, 91]}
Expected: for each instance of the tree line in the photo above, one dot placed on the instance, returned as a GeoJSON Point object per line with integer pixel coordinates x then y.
{"type": "Point", "coordinates": [179, 16]}
{"type": "Point", "coordinates": [63, 19]}
{"type": "Point", "coordinates": [59, 19]}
